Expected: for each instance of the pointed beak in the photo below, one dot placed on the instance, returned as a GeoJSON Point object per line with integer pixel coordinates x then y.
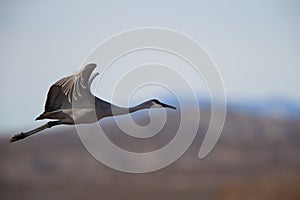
{"type": "Point", "coordinates": [168, 106]}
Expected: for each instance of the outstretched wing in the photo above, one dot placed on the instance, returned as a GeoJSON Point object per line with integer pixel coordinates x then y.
{"type": "Point", "coordinates": [70, 88]}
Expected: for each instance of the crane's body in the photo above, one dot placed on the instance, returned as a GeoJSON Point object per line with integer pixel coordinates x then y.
{"type": "Point", "coordinates": [70, 101]}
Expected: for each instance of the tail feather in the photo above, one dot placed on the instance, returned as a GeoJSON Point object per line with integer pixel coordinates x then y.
{"type": "Point", "coordinates": [42, 116]}
{"type": "Point", "coordinates": [56, 114]}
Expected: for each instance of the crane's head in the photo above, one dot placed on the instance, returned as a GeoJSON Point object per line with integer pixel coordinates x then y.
{"type": "Point", "coordinates": [157, 104]}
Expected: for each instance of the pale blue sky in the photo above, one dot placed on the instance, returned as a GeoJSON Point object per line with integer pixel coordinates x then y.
{"type": "Point", "coordinates": [255, 44]}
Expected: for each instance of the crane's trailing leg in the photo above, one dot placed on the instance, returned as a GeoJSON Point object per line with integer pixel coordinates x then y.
{"type": "Point", "coordinates": [22, 135]}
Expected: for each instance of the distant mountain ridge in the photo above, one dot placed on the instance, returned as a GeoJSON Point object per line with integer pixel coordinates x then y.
{"type": "Point", "coordinates": [271, 107]}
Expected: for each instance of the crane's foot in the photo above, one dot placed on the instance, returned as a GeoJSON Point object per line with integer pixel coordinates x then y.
{"type": "Point", "coordinates": [17, 137]}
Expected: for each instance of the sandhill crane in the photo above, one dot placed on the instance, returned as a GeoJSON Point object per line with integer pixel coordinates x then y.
{"type": "Point", "coordinates": [70, 101]}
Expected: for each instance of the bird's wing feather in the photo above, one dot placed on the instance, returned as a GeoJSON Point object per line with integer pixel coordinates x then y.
{"type": "Point", "coordinates": [68, 89]}
{"type": "Point", "coordinates": [72, 86]}
{"type": "Point", "coordinates": [55, 99]}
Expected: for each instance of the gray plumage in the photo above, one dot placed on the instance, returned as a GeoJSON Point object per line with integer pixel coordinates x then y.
{"type": "Point", "coordinates": [70, 101]}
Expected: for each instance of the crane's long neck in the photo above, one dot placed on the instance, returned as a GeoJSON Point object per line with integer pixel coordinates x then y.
{"type": "Point", "coordinates": [116, 110]}
{"type": "Point", "coordinates": [105, 109]}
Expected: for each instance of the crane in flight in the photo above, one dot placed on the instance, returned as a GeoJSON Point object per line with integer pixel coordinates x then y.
{"type": "Point", "coordinates": [70, 101]}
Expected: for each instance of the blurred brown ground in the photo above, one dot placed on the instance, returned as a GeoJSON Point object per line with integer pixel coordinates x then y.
{"type": "Point", "coordinates": [255, 158]}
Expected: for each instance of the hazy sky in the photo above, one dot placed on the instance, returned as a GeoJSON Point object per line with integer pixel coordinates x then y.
{"type": "Point", "coordinates": [255, 44]}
